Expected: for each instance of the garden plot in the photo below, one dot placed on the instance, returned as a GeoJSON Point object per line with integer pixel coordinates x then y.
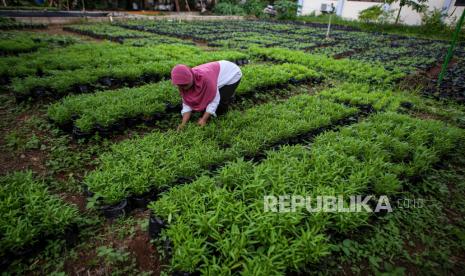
{"type": "Point", "coordinates": [86, 67]}
{"type": "Point", "coordinates": [452, 86]}
{"type": "Point", "coordinates": [392, 51]}
{"type": "Point", "coordinates": [105, 31]}
{"type": "Point", "coordinates": [186, 154]}
{"type": "Point", "coordinates": [11, 24]}
{"type": "Point", "coordinates": [218, 225]}
{"type": "Point", "coordinates": [14, 43]}
{"type": "Point", "coordinates": [109, 111]}
{"type": "Point", "coordinates": [205, 186]}
{"type": "Point", "coordinates": [30, 215]}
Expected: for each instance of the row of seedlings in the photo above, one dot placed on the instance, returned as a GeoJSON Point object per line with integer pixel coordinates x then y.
{"type": "Point", "coordinates": [116, 110]}
{"type": "Point", "coordinates": [118, 34]}
{"type": "Point", "coordinates": [105, 31]}
{"type": "Point", "coordinates": [140, 168]}
{"type": "Point", "coordinates": [30, 215]}
{"type": "Point", "coordinates": [347, 70]}
{"type": "Point", "coordinates": [244, 220]}
{"type": "Point", "coordinates": [363, 95]}
{"type": "Point", "coordinates": [7, 23]}
{"type": "Point", "coordinates": [86, 67]}
{"type": "Point", "coordinates": [14, 43]}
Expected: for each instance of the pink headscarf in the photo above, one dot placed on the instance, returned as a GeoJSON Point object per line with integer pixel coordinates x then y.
{"type": "Point", "coordinates": [205, 78]}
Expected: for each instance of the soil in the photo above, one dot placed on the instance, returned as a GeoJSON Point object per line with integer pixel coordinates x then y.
{"type": "Point", "coordinates": [11, 160]}
{"type": "Point", "coordinates": [426, 116]}
{"type": "Point", "coordinates": [29, 160]}
{"type": "Point", "coordinates": [433, 73]}
{"type": "Point", "coordinates": [145, 254]}
{"type": "Point", "coordinates": [77, 199]}
{"type": "Point", "coordinates": [137, 244]}
{"type": "Point", "coordinates": [347, 54]}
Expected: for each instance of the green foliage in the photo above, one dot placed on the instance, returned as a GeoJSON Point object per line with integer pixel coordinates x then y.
{"type": "Point", "coordinates": [218, 224]}
{"type": "Point", "coordinates": [363, 94]}
{"type": "Point", "coordinates": [345, 69]}
{"type": "Point", "coordinates": [29, 212]}
{"type": "Point", "coordinates": [227, 8]}
{"type": "Point", "coordinates": [118, 261]}
{"type": "Point", "coordinates": [13, 43]}
{"type": "Point", "coordinates": [434, 20]}
{"type": "Point", "coordinates": [16, 141]}
{"type": "Point", "coordinates": [87, 63]}
{"type": "Point", "coordinates": [370, 14]}
{"type": "Point", "coordinates": [254, 7]}
{"type": "Point", "coordinates": [158, 159]}
{"type": "Point", "coordinates": [106, 108]}
{"type": "Point", "coordinates": [287, 10]}
{"type": "Point", "coordinates": [111, 255]}
{"type": "Point", "coordinates": [416, 5]}
{"type": "Point", "coordinates": [11, 24]}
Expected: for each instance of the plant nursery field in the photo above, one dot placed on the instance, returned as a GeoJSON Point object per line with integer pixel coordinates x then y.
{"type": "Point", "coordinates": [95, 178]}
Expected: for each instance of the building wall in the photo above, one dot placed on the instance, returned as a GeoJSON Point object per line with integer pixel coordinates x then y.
{"type": "Point", "coordinates": [351, 9]}
{"type": "Point", "coordinates": [315, 5]}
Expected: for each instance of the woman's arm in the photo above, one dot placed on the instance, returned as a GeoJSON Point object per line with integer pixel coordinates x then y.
{"type": "Point", "coordinates": [211, 109]}
{"type": "Point", "coordinates": [213, 105]}
{"type": "Point", "coordinates": [185, 118]}
{"type": "Point", "coordinates": [203, 121]}
{"type": "Point", "coordinates": [186, 115]}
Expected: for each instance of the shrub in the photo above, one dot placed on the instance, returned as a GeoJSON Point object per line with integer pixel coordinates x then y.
{"type": "Point", "coordinates": [370, 14]}
{"type": "Point", "coordinates": [287, 10]}
{"type": "Point", "coordinates": [226, 8]}
{"type": "Point", "coordinates": [433, 21]}
{"type": "Point", "coordinates": [254, 7]}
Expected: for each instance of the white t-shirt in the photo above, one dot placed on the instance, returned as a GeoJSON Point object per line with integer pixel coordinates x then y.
{"type": "Point", "coordinates": [229, 74]}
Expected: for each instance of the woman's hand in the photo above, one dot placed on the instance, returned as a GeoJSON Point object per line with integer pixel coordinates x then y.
{"type": "Point", "coordinates": [180, 127]}
{"type": "Point", "coordinates": [185, 118]}
{"type": "Point", "coordinates": [203, 121]}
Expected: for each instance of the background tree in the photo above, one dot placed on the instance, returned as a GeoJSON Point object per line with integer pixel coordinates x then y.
{"type": "Point", "coordinates": [416, 5]}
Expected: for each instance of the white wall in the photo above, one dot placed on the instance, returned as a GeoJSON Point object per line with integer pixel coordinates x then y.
{"type": "Point", "coordinates": [315, 5]}
{"type": "Point", "coordinates": [455, 14]}
{"type": "Point", "coordinates": [351, 9]}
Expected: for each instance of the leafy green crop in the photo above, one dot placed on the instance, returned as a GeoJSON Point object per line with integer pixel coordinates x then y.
{"type": "Point", "coordinates": [28, 212]}
{"type": "Point", "coordinates": [106, 108]}
{"type": "Point", "coordinates": [85, 64]}
{"type": "Point", "coordinates": [106, 30]}
{"type": "Point", "coordinates": [158, 159]}
{"type": "Point", "coordinates": [217, 225]}
{"type": "Point", "coordinates": [363, 94]}
{"type": "Point", "coordinates": [349, 70]}
{"type": "Point", "coordinates": [23, 42]}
